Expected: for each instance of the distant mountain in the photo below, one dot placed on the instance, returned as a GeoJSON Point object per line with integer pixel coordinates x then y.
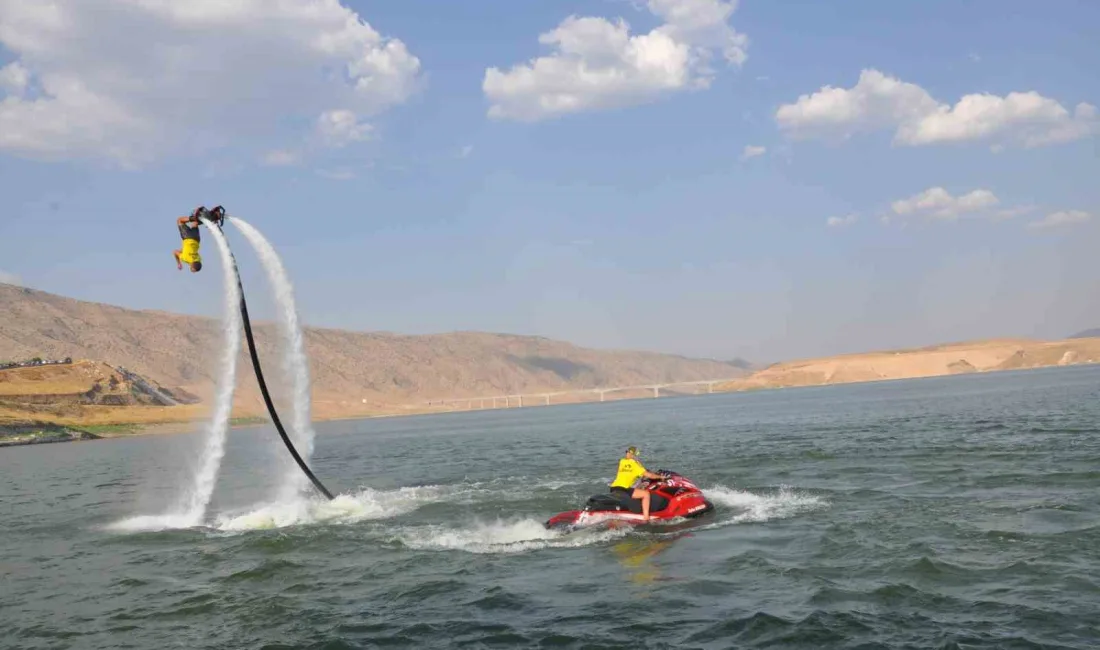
{"type": "Point", "coordinates": [930, 361]}
{"type": "Point", "coordinates": [740, 363]}
{"type": "Point", "coordinates": [1087, 334]}
{"type": "Point", "coordinates": [349, 368]}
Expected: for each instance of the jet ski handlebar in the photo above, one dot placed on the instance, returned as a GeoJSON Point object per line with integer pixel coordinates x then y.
{"type": "Point", "coordinates": [664, 474]}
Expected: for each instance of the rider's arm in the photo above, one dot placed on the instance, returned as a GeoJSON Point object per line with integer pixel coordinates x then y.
{"type": "Point", "coordinates": [648, 474]}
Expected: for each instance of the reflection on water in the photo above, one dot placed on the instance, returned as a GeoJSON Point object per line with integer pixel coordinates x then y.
{"type": "Point", "coordinates": [636, 555]}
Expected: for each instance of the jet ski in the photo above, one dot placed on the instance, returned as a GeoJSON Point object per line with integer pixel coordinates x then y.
{"type": "Point", "coordinates": [673, 496]}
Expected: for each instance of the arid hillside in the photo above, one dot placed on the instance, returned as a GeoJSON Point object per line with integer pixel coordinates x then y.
{"type": "Point", "coordinates": [87, 393]}
{"type": "Point", "coordinates": [349, 368]}
{"type": "Point", "coordinates": [933, 361]}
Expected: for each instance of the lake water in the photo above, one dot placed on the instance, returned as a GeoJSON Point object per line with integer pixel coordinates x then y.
{"type": "Point", "coordinates": [960, 512]}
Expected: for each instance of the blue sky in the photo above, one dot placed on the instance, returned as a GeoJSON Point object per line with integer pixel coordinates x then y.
{"type": "Point", "coordinates": [604, 201]}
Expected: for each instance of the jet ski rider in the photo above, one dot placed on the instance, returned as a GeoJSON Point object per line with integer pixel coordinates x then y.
{"type": "Point", "coordinates": [629, 477]}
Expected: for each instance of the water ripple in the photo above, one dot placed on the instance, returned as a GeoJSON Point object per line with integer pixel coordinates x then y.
{"type": "Point", "coordinates": [956, 513]}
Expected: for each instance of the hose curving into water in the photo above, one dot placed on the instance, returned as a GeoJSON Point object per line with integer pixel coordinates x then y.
{"type": "Point", "coordinates": [263, 385]}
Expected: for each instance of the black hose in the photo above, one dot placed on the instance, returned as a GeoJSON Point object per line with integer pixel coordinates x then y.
{"type": "Point", "coordinates": [263, 386]}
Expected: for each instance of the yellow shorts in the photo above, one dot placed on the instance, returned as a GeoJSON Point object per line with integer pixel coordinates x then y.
{"type": "Point", "coordinates": [190, 251]}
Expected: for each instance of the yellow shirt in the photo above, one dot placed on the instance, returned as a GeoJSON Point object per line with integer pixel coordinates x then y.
{"type": "Point", "coordinates": [190, 251]}
{"type": "Point", "coordinates": [629, 473]}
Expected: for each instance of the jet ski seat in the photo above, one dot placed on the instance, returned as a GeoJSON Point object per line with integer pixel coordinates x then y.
{"type": "Point", "coordinates": [620, 501]}
{"type": "Point", "coordinates": [607, 502]}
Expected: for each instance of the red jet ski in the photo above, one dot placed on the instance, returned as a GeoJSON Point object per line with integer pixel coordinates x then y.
{"type": "Point", "coordinates": [670, 497]}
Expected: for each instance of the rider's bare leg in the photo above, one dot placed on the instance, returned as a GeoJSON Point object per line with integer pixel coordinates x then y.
{"type": "Point", "coordinates": [644, 496]}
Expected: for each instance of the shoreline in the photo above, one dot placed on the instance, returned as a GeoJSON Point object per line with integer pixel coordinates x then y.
{"type": "Point", "coordinates": [44, 435]}
{"type": "Point", "coordinates": [79, 433]}
{"type": "Point", "coordinates": [110, 430]}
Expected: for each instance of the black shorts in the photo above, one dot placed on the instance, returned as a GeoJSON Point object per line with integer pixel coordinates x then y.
{"type": "Point", "coordinates": [626, 491]}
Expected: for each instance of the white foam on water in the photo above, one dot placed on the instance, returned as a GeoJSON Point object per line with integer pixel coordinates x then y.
{"type": "Point", "coordinates": [151, 523]}
{"type": "Point", "coordinates": [295, 364]}
{"type": "Point", "coordinates": [753, 508]}
{"type": "Point", "coordinates": [368, 504]}
{"type": "Point", "coordinates": [364, 505]}
{"type": "Point", "coordinates": [501, 536]}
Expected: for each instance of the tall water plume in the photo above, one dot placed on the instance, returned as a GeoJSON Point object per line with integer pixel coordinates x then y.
{"type": "Point", "coordinates": [202, 488]}
{"type": "Point", "coordinates": [295, 365]}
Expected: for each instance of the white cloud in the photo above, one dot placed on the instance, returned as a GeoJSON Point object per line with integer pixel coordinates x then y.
{"type": "Point", "coordinates": [1013, 212]}
{"type": "Point", "coordinates": [280, 158]}
{"type": "Point", "coordinates": [1063, 218]}
{"type": "Point", "coordinates": [10, 278]}
{"type": "Point", "coordinates": [938, 203]}
{"type": "Point", "coordinates": [878, 101]}
{"type": "Point", "coordinates": [1026, 118]}
{"type": "Point", "coordinates": [841, 222]}
{"type": "Point", "coordinates": [133, 80]}
{"type": "Point", "coordinates": [466, 151]}
{"type": "Point", "coordinates": [14, 78]}
{"type": "Point", "coordinates": [599, 64]}
{"type": "Point", "coordinates": [340, 127]}
{"type": "Point", "coordinates": [751, 151]}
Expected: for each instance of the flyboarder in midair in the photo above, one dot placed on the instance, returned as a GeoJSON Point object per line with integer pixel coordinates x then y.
{"type": "Point", "coordinates": [189, 233]}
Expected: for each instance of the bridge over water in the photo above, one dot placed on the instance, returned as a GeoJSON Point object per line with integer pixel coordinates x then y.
{"type": "Point", "coordinates": [577, 395]}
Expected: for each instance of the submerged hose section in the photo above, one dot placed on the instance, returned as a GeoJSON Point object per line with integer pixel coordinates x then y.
{"type": "Point", "coordinates": [263, 388]}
